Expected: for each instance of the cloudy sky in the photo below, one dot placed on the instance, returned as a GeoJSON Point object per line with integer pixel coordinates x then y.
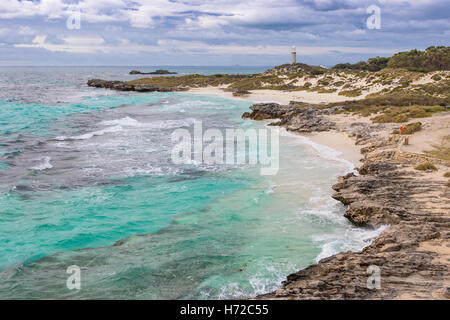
{"type": "Point", "coordinates": [214, 32]}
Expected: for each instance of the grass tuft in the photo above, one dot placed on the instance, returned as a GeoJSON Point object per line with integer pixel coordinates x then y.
{"type": "Point", "coordinates": [350, 93]}
{"type": "Point", "coordinates": [426, 166]}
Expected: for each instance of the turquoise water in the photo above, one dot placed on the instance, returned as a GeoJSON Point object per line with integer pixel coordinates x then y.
{"type": "Point", "coordinates": [87, 180]}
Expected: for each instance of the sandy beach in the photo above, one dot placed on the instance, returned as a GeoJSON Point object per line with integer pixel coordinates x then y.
{"type": "Point", "coordinates": [390, 191]}
{"type": "Point", "coordinates": [336, 140]}
{"type": "Point", "coordinates": [282, 97]}
{"type": "Point", "coordinates": [435, 128]}
{"type": "Point", "coordinates": [341, 142]}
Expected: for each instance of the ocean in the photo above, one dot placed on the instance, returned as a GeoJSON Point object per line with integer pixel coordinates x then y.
{"type": "Point", "coordinates": [86, 179]}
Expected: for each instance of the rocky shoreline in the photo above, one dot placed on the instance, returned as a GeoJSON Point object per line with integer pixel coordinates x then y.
{"type": "Point", "coordinates": [412, 253]}
{"type": "Point", "coordinates": [125, 86]}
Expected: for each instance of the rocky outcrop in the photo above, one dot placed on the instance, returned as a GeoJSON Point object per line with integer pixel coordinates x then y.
{"type": "Point", "coordinates": [412, 254]}
{"type": "Point", "coordinates": [125, 86]}
{"type": "Point", "coordinates": [292, 116]}
{"type": "Point", "coordinates": [241, 93]}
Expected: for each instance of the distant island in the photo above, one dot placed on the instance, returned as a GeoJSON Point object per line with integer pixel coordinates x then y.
{"type": "Point", "coordinates": [160, 71]}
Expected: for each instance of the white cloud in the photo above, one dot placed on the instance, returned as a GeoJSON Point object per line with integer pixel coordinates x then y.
{"type": "Point", "coordinates": [224, 27]}
{"type": "Point", "coordinates": [10, 9]}
{"type": "Point", "coordinates": [39, 40]}
{"type": "Point", "coordinates": [26, 31]}
{"type": "Point", "coordinates": [84, 40]}
{"type": "Point", "coordinates": [86, 45]}
{"type": "Point", "coordinates": [97, 44]}
{"type": "Point", "coordinates": [210, 14]}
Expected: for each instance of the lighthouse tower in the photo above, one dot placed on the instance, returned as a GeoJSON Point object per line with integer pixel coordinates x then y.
{"type": "Point", "coordinates": [294, 55]}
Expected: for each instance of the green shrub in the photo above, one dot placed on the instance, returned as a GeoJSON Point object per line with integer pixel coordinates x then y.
{"type": "Point", "coordinates": [317, 72]}
{"type": "Point", "coordinates": [322, 90]}
{"type": "Point", "coordinates": [432, 59]}
{"type": "Point", "coordinates": [436, 77]}
{"type": "Point", "coordinates": [447, 174]}
{"type": "Point", "coordinates": [426, 166]}
{"type": "Point", "coordinates": [373, 64]}
{"type": "Point", "coordinates": [412, 127]}
{"type": "Point", "coordinates": [350, 93]}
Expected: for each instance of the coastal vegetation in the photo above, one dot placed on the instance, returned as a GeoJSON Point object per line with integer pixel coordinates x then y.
{"type": "Point", "coordinates": [392, 108]}
{"type": "Point", "coordinates": [350, 93]}
{"type": "Point", "coordinates": [192, 80]}
{"type": "Point", "coordinates": [408, 85]}
{"type": "Point", "coordinates": [426, 166]}
{"type": "Point", "coordinates": [401, 72]}
{"type": "Point", "coordinates": [373, 64]}
{"type": "Point", "coordinates": [410, 128]}
{"type": "Point", "coordinates": [432, 59]}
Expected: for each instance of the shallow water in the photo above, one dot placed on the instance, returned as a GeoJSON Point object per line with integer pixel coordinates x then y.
{"type": "Point", "coordinates": [87, 180]}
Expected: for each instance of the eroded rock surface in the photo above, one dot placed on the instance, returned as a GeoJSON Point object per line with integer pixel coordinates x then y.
{"type": "Point", "coordinates": [125, 86]}
{"type": "Point", "coordinates": [292, 116]}
{"type": "Point", "coordinates": [412, 253]}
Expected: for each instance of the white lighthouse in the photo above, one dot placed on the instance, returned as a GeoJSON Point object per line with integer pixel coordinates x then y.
{"type": "Point", "coordinates": [294, 55]}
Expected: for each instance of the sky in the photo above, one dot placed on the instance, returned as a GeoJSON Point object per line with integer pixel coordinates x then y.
{"type": "Point", "coordinates": [215, 32]}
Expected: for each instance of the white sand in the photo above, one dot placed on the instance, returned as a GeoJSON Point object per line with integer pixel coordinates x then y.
{"type": "Point", "coordinates": [341, 142]}
{"type": "Point", "coordinates": [277, 96]}
{"type": "Point", "coordinates": [434, 129]}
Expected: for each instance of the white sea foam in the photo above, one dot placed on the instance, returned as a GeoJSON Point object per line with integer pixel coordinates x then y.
{"type": "Point", "coordinates": [91, 134]}
{"type": "Point", "coordinates": [127, 121]}
{"type": "Point", "coordinates": [354, 239]}
{"type": "Point", "coordinates": [343, 236]}
{"type": "Point", "coordinates": [167, 124]}
{"type": "Point", "coordinates": [323, 151]}
{"type": "Point", "coordinates": [44, 164]}
{"type": "Point", "coordinates": [266, 279]}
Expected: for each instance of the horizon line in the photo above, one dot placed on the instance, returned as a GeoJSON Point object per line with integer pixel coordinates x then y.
{"type": "Point", "coordinates": [122, 66]}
